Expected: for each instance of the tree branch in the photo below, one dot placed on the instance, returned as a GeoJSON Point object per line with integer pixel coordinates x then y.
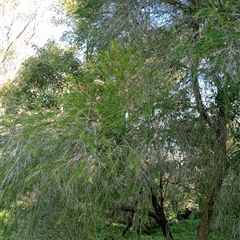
{"type": "Point", "coordinates": [198, 98]}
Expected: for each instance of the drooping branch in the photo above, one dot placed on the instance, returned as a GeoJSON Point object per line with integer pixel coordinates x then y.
{"type": "Point", "coordinates": [198, 99]}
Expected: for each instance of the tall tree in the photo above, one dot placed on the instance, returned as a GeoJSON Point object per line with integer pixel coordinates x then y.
{"type": "Point", "coordinates": [206, 67]}
{"type": "Point", "coordinates": [157, 104]}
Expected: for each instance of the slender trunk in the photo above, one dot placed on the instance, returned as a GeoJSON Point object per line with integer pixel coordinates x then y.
{"type": "Point", "coordinates": [218, 174]}
{"type": "Point", "coordinates": [204, 226]}
{"type": "Point", "coordinates": [162, 222]}
{"type": "Point", "coordinates": [159, 214]}
{"type": "Point", "coordinates": [218, 126]}
{"type": "Point", "coordinates": [130, 222]}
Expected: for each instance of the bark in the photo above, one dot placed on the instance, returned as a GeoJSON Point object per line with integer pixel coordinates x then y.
{"type": "Point", "coordinates": [163, 225]}
{"type": "Point", "coordinates": [219, 127]}
{"type": "Point", "coordinates": [160, 218]}
{"type": "Point", "coordinates": [158, 214]}
{"type": "Point", "coordinates": [130, 222]}
{"type": "Point", "coordinates": [218, 174]}
{"type": "Point", "coordinates": [204, 226]}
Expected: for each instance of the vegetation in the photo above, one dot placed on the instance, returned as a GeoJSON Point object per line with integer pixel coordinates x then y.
{"type": "Point", "coordinates": [138, 139]}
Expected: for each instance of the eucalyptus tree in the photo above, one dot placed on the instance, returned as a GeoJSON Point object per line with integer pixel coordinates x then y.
{"type": "Point", "coordinates": [41, 78]}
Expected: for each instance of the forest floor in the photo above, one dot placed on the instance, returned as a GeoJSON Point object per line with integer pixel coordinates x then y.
{"type": "Point", "coordinates": [181, 230]}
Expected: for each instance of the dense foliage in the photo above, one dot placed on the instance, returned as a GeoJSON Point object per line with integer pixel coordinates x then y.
{"type": "Point", "coordinates": [41, 78]}
{"type": "Point", "coordinates": [146, 128]}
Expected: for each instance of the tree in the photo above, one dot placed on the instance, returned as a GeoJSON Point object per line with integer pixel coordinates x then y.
{"type": "Point", "coordinates": [95, 108]}
{"type": "Point", "coordinates": [156, 109]}
{"type": "Point", "coordinates": [203, 59]}
{"type": "Point", "coordinates": [41, 78]}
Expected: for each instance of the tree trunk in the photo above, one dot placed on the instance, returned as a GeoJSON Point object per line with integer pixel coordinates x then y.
{"type": "Point", "coordinates": [218, 174]}
{"type": "Point", "coordinates": [219, 127]}
{"type": "Point", "coordinates": [162, 224]}
{"type": "Point", "coordinates": [130, 222]}
{"type": "Point", "coordinates": [160, 218]}
{"type": "Point", "coordinates": [204, 226]}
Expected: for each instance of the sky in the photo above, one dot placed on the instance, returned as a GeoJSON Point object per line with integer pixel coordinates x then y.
{"type": "Point", "coordinates": [45, 28]}
{"type": "Point", "coordinates": [14, 18]}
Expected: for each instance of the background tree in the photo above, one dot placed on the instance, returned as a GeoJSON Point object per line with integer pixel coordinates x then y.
{"type": "Point", "coordinates": [41, 79]}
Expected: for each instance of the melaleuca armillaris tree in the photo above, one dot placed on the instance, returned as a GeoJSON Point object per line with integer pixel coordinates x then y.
{"type": "Point", "coordinates": [202, 57]}
{"type": "Point", "coordinates": [93, 165]}
{"type": "Point", "coordinates": [210, 67]}
{"type": "Point", "coordinates": [138, 121]}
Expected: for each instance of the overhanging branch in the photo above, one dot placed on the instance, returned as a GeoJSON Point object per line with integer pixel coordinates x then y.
{"type": "Point", "coordinates": [198, 98]}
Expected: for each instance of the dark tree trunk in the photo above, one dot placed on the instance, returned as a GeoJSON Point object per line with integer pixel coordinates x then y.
{"type": "Point", "coordinates": [160, 218]}
{"type": "Point", "coordinates": [159, 214]}
{"type": "Point", "coordinates": [130, 222]}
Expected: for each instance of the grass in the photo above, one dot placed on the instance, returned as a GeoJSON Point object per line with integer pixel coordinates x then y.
{"type": "Point", "coordinates": [182, 230]}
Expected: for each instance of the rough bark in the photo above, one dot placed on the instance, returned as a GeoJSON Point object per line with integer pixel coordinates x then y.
{"type": "Point", "coordinates": [162, 223]}
{"type": "Point", "coordinates": [204, 226]}
{"type": "Point", "coordinates": [219, 172]}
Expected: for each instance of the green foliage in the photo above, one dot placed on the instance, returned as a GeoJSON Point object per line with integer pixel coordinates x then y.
{"type": "Point", "coordinates": [91, 162]}
{"type": "Point", "coordinates": [41, 78]}
{"type": "Point", "coordinates": [85, 14]}
{"type": "Point", "coordinates": [154, 115]}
